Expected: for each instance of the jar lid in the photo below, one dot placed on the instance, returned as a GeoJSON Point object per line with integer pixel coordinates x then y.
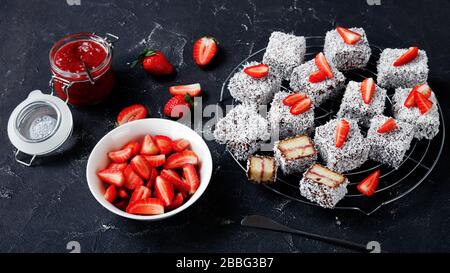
{"type": "Point", "coordinates": [39, 125]}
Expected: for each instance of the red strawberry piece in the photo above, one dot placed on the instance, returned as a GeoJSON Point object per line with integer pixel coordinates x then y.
{"type": "Point", "coordinates": [130, 113]}
{"type": "Point", "coordinates": [164, 144]}
{"type": "Point", "coordinates": [191, 176]}
{"type": "Point", "coordinates": [409, 102]}
{"type": "Point", "coordinates": [176, 180]}
{"type": "Point", "coordinates": [294, 98]}
{"type": "Point", "coordinates": [177, 201]}
{"type": "Point", "coordinates": [388, 126]}
{"type": "Point", "coordinates": [121, 156]}
{"type": "Point", "coordinates": [422, 103]}
{"type": "Point", "coordinates": [112, 176]}
{"type": "Point", "coordinates": [192, 90]}
{"type": "Point", "coordinates": [141, 166]}
{"type": "Point", "coordinates": [132, 179]}
{"type": "Point", "coordinates": [122, 193]}
{"type": "Point", "coordinates": [368, 90]}
{"type": "Point", "coordinates": [110, 194]}
{"type": "Point", "coordinates": [369, 185]}
{"type": "Point", "coordinates": [149, 146]}
{"type": "Point", "coordinates": [342, 129]}
{"type": "Point", "coordinates": [178, 160]}
{"type": "Point", "coordinates": [155, 63]}
{"type": "Point", "coordinates": [177, 106]}
{"type": "Point", "coordinates": [141, 192]}
{"type": "Point", "coordinates": [350, 37]}
{"type": "Point", "coordinates": [204, 51]}
{"type": "Point", "coordinates": [151, 181]}
{"type": "Point", "coordinates": [164, 191]}
{"type": "Point", "coordinates": [117, 166]}
{"type": "Point", "coordinates": [301, 107]}
{"type": "Point", "coordinates": [408, 57]}
{"type": "Point", "coordinates": [424, 89]}
{"type": "Point", "coordinates": [155, 160]}
{"type": "Point", "coordinates": [122, 204]}
{"type": "Point", "coordinates": [317, 76]}
{"type": "Point", "coordinates": [257, 71]}
{"type": "Point", "coordinates": [322, 64]}
{"type": "Point", "coordinates": [135, 147]}
{"type": "Point", "coordinates": [149, 206]}
{"type": "Point", "coordinates": [180, 145]}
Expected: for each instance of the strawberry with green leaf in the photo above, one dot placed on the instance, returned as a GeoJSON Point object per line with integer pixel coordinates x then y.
{"type": "Point", "coordinates": [154, 62]}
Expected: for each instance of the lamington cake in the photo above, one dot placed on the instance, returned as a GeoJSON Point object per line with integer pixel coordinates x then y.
{"type": "Point", "coordinates": [295, 154]}
{"type": "Point", "coordinates": [323, 186]}
{"type": "Point", "coordinates": [283, 122]}
{"type": "Point", "coordinates": [250, 90]}
{"type": "Point", "coordinates": [389, 140]}
{"type": "Point", "coordinates": [242, 130]}
{"type": "Point", "coordinates": [402, 68]}
{"type": "Point", "coordinates": [421, 111]}
{"type": "Point", "coordinates": [284, 52]}
{"type": "Point", "coordinates": [341, 144]}
{"type": "Point", "coordinates": [347, 49]}
{"type": "Point", "coordinates": [261, 169]}
{"type": "Point", "coordinates": [319, 79]}
{"type": "Point", "coordinates": [362, 101]}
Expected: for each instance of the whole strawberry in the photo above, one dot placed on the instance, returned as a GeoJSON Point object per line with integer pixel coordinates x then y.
{"type": "Point", "coordinates": [154, 62]}
{"type": "Point", "coordinates": [182, 103]}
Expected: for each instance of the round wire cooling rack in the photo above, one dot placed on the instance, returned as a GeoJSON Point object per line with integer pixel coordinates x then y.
{"type": "Point", "coordinates": [394, 184]}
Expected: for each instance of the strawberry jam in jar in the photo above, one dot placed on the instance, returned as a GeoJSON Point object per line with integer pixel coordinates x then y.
{"type": "Point", "coordinates": [81, 65]}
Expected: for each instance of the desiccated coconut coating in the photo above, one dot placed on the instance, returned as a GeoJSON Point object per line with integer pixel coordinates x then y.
{"type": "Point", "coordinates": [389, 148]}
{"type": "Point", "coordinates": [253, 91]}
{"type": "Point", "coordinates": [344, 56]}
{"type": "Point", "coordinates": [351, 155]}
{"type": "Point", "coordinates": [284, 52]}
{"type": "Point", "coordinates": [427, 125]}
{"type": "Point", "coordinates": [243, 130]}
{"type": "Point", "coordinates": [408, 75]}
{"type": "Point", "coordinates": [318, 92]}
{"type": "Point", "coordinates": [284, 124]}
{"type": "Point", "coordinates": [353, 106]}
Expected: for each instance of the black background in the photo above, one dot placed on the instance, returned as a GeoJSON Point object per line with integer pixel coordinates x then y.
{"type": "Point", "coordinates": [44, 207]}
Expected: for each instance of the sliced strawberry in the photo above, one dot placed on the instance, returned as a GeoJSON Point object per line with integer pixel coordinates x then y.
{"type": "Point", "coordinates": [204, 51]}
{"type": "Point", "coordinates": [257, 71]}
{"type": "Point", "coordinates": [164, 191]}
{"type": "Point", "coordinates": [149, 206]}
{"type": "Point", "coordinates": [141, 166]}
{"type": "Point", "coordinates": [191, 176]}
{"type": "Point", "coordinates": [110, 194]}
{"type": "Point", "coordinates": [350, 37]}
{"type": "Point", "coordinates": [176, 180]}
{"type": "Point", "coordinates": [369, 185]}
{"type": "Point", "coordinates": [164, 144]}
{"type": "Point", "coordinates": [155, 160]}
{"type": "Point", "coordinates": [423, 88]}
{"type": "Point", "coordinates": [141, 192]}
{"type": "Point", "coordinates": [177, 160]}
{"type": "Point", "coordinates": [317, 76]}
{"type": "Point", "coordinates": [177, 201]}
{"type": "Point", "coordinates": [151, 181]}
{"type": "Point", "coordinates": [117, 166]}
{"type": "Point", "coordinates": [388, 126]}
{"type": "Point", "coordinates": [132, 180]}
{"type": "Point", "coordinates": [322, 64]}
{"type": "Point", "coordinates": [149, 146]}
{"type": "Point", "coordinates": [112, 176]}
{"type": "Point", "coordinates": [342, 129]}
{"type": "Point", "coordinates": [301, 107]}
{"type": "Point", "coordinates": [135, 147]}
{"type": "Point", "coordinates": [193, 90]}
{"type": "Point", "coordinates": [180, 144]}
{"type": "Point", "coordinates": [408, 57]}
{"type": "Point", "coordinates": [423, 103]}
{"type": "Point", "coordinates": [121, 156]}
{"type": "Point", "coordinates": [368, 90]}
{"type": "Point", "coordinates": [123, 194]}
{"type": "Point", "coordinates": [294, 98]}
{"type": "Point", "coordinates": [409, 102]}
{"type": "Point", "coordinates": [130, 113]}
{"type": "Point", "coordinates": [122, 204]}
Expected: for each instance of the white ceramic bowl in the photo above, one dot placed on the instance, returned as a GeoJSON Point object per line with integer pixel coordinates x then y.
{"type": "Point", "coordinates": [136, 130]}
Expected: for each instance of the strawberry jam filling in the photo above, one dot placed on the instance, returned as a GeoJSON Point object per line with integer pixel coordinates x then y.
{"type": "Point", "coordinates": [73, 56]}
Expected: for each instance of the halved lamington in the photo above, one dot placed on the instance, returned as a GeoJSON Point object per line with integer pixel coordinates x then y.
{"type": "Point", "coordinates": [402, 67]}
{"type": "Point", "coordinates": [262, 169]}
{"type": "Point", "coordinates": [284, 121]}
{"type": "Point", "coordinates": [253, 90]}
{"type": "Point", "coordinates": [341, 144]}
{"type": "Point", "coordinates": [418, 107]}
{"type": "Point", "coordinates": [323, 186]}
{"type": "Point", "coordinates": [284, 52]}
{"type": "Point", "coordinates": [347, 49]}
{"type": "Point", "coordinates": [242, 130]}
{"type": "Point", "coordinates": [319, 79]}
{"type": "Point", "coordinates": [389, 139]}
{"type": "Point", "coordinates": [295, 154]}
{"type": "Point", "coordinates": [362, 101]}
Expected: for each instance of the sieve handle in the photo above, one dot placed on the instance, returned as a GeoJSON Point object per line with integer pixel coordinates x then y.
{"type": "Point", "coordinates": [28, 164]}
